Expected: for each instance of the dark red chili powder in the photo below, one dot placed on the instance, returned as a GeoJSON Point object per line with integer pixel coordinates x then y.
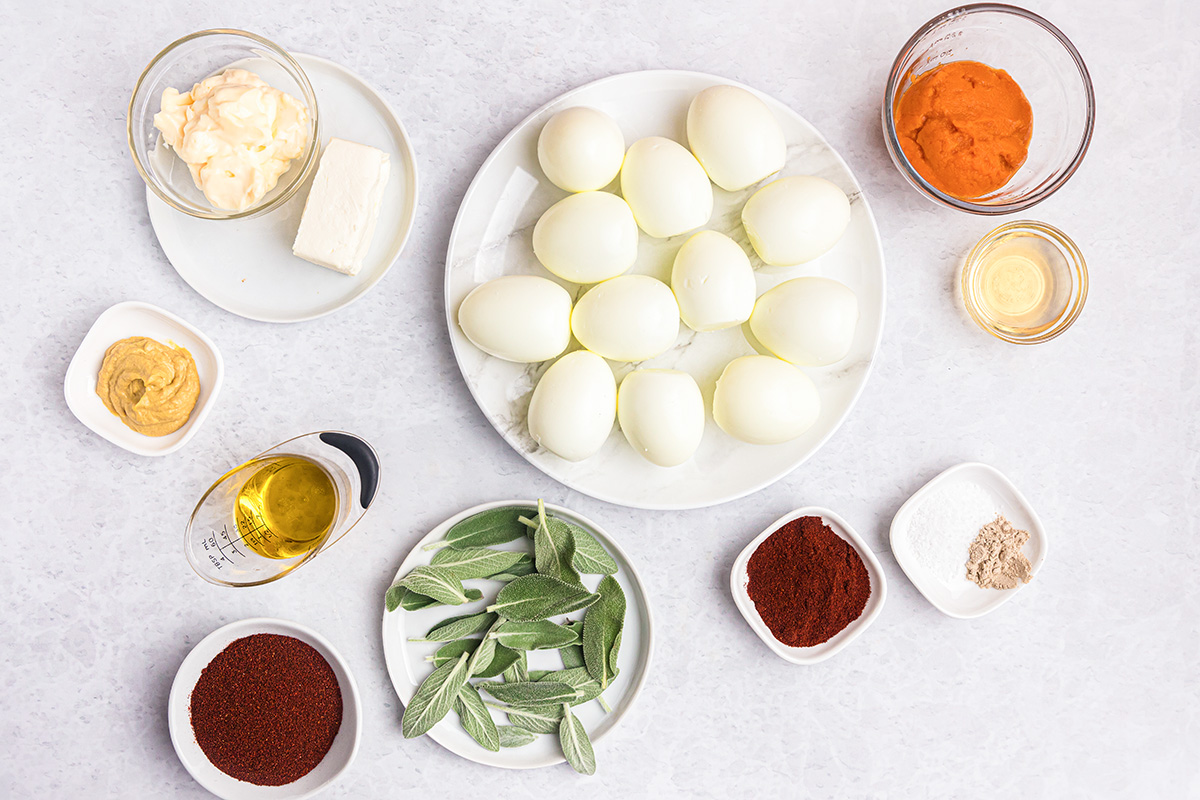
{"type": "Point", "coordinates": [266, 709]}
{"type": "Point", "coordinates": [807, 582]}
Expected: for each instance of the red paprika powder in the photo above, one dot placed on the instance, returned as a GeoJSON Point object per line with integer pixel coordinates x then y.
{"type": "Point", "coordinates": [266, 709]}
{"type": "Point", "coordinates": [807, 582]}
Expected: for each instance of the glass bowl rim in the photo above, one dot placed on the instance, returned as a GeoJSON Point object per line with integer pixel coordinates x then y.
{"type": "Point", "coordinates": [310, 97]}
{"type": "Point", "coordinates": [1079, 277]}
{"type": "Point", "coordinates": [893, 140]}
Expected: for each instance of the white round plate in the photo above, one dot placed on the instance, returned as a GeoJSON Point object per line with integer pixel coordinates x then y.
{"type": "Point", "coordinates": [247, 267]}
{"type": "Point", "coordinates": [492, 237]}
{"type": "Point", "coordinates": [179, 721]}
{"type": "Point", "coordinates": [407, 666]}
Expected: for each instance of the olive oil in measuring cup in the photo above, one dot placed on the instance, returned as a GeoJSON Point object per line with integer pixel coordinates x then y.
{"type": "Point", "coordinates": [286, 508]}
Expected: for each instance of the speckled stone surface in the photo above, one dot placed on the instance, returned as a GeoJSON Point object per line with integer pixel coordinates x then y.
{"type": "Point", "coordinates": [1084, 685]}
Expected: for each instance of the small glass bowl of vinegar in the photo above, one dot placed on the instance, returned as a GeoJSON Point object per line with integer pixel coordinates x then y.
{"type": "Point", "coordinates": [1025, 282]}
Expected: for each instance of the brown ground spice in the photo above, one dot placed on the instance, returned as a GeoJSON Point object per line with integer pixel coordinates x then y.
{"type": "Point", "coordinates": [266, 709]}
{"type": "Point", "coordinates": [807, 582]}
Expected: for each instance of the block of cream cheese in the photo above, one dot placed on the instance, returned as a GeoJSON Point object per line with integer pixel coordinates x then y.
{"type": "Point", "coordinates": [342, 208]}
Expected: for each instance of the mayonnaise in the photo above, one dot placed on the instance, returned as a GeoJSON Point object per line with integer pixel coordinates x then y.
{"type": "Point", "coordinates": [236, 133]}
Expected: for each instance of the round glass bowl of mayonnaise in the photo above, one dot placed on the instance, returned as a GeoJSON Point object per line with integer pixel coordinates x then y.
{"type": "Point", "coordinates": [1044, 64]}
{"type": "Point", "coordinates": [273, 159]}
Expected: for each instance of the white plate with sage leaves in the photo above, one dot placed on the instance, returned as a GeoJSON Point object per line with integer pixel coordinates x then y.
{"type": "Point", "coordinates": [555, 569]}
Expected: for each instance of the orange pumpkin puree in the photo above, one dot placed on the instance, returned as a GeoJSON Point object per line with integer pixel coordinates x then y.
{"type": "Point", "coordinates": [965, 127]}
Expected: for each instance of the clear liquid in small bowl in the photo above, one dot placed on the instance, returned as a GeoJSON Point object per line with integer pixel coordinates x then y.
{"type": "Point", "coordinates": [1021, 284]}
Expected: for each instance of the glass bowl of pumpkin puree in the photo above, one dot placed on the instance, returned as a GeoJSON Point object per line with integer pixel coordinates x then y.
{"type": "Point", "coordinates": [988, 109]}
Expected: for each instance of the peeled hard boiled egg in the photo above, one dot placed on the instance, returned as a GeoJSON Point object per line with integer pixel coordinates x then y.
{"type": "Point", "coordinates": [666, 187]}
{"type": "Point", "coordinates": [735, 137]}
{"type": "Point", "coordinates": [573, 406]}
{"type": "Point", "coordinates": [713, 282]}
{"type": "Point", "coordinates": [661, 412]}
{"type": "Point", "coordinates": [796, 219]}
{"type": "Point", "coordinates": [807, 321]}
{"type": "Point", "coordinates": [581, 149]}
{"type": "Point", "coordinates": [628, 318]}
{"type": "Point", "coordinates": [762, 400]}
{"type": "Point", "coordinates": [520, 318]}
{"type": "Point", "coordinates": [586, 237]}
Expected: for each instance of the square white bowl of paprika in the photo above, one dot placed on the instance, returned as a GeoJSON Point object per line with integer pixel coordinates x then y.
{"type": "Point", "coordinates": [740, 578]}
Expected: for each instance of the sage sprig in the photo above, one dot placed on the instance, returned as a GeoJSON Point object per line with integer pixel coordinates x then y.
{"type": "Point", "coordinates": [540, 635]}
{"type": "Point", "coordinates": [586, 687]}
{"type": "Point", "coordinates": [534, 597]}
{"type": "Point", "coordinates": [576, 745]}
{"type": "Point", "coordinates": [434, 698]}
{"type": "Point", "coordinates": [602, 626]}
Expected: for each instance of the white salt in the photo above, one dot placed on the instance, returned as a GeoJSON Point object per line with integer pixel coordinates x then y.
{"type": "Point", "coordinates": [944, 526]}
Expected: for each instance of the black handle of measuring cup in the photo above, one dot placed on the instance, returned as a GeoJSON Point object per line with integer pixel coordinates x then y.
{"type": "Point", "coordinates": [363, 457]}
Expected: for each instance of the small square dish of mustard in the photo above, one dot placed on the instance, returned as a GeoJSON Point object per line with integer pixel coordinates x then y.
{"type": "Point", "coordinates": [143, 378]}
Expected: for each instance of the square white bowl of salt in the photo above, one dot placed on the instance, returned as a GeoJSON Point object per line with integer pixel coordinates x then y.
{"type": "Point", "coordinates": [968, 540]}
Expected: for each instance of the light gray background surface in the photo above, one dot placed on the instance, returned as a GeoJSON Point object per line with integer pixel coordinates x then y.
{"type": "Point", "coordinates": [1084, 685]}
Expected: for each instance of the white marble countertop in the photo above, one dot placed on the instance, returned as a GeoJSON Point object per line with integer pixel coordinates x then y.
{"type": "Point", "coordinates": [1085, 685]}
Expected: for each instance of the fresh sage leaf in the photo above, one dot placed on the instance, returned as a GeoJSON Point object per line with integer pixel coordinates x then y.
{"type": "Point", "coordinates": [539, 635]}
{"type": "Point", "coordinates": [457, 627]}
{"type": "Point", "coordinates": [576, 745]}
{"type": "Point", "coordinates": [437, 583]}
{"type": "Point", "coordinates": [487, 528]}
{"type": "Point", "coordinates": [535, 719]}
{"type": "Point", "coordinates": [482, 656]}
{"type": "Point", "coordinates": [502, 659]}
{"type": "Point", "coordinates": [434, 698]}
{"type": "Point", "coordinates": [452, 650]}
{"type": "Point", "coordinates": [512, 736]}
{"type": "Point", "coordinates": [538, 674]}
{"type": "Point", "coordinates": [534, 597]}
{"type": "Point", "coordinates": [476, 719]}
{"type": "Point", "coordinates": [586, 687]}
{"type": "Point", "coordinates": [518, 672]}
{"type": "Point", "coordinates": [602, 627]}
{"type": "Point", "coordinates": [612, 654]}
{"type": "Point", "coordinates": [572, 656]}
{"type": "Point", "coordinates": [525, 566]}
{"type": "Point", "coordinates": [394, 597]}
{"type": "Point", "coordinates": [476, 562]}
{"type": "Point", "coordinates": [590, 556]}
{"type": "Point", "coordinates": [523, 695]}
{"type": "Point", "coordinates": [489, 665]}
{"type": "Point", "coordinates": [412, 601]}
{"type": "Point", "coordinates": [554, 549]}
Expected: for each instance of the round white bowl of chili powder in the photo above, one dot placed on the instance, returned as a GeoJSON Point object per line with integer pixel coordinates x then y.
{"type": "Point", "coordinates": [816, 584]}
{"type": "Point", "coordinates": [261, 656]}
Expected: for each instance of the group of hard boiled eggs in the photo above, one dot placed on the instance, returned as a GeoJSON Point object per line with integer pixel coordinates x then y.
{"type": "Point", "coordinates": [591, 237]}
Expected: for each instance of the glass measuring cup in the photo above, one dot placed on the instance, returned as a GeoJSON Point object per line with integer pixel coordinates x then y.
{"type": "Point", "coordinates": [228, 542]}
